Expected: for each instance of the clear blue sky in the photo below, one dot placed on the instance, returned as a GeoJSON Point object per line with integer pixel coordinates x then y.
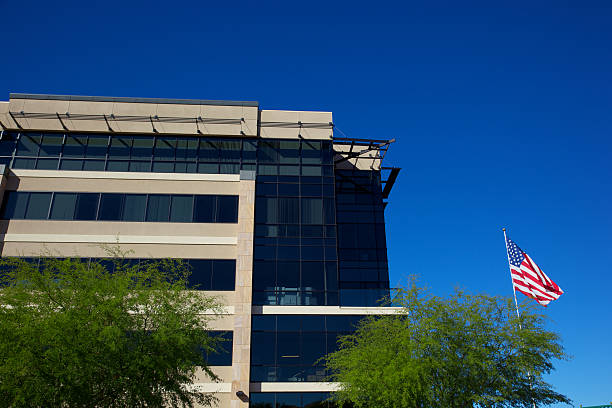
{"type": "Point", "coordinates": [502, 113]}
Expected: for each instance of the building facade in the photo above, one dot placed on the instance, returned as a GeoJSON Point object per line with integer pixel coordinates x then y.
{"type": "Point", "coordinates": [280, 219]}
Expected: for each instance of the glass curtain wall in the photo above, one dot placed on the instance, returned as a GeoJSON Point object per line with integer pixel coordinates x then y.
{"type": "Point", "coordinates": [295, 224]}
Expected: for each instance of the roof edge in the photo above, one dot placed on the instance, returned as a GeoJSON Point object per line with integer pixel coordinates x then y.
{"type": "Point", "coordinates": [131, 100]}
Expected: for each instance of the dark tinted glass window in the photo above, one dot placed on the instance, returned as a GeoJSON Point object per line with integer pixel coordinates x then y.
{"type": "Point", "coordinates": [63, 206]}
{"type": "Point", "coordinates": [120, 147]}
{"type": "Point", "coordinates": [28, 145]}
{"type": "Point", "coordinates": [158, 208]}
{"type": "Point", "coordinates": [75, 146]}
{"type": "Point", "coordinates": [182, 208]}
{"type": "Point", "coordinates": [110, 207]}
{"type": "Point", "coordinates": [96, 146]}
{"type": "Point", "coordinates": [142, 148]}
{"type": "Point", "coordinates": [51, 145]}
{"type": "Point", "coordinates": [186, 148]}
{"type": "Point", "coordinates": [227, 208]}
{"type": "Point", "coordinates": [201, 273]}
{"type": "Point", "coordinates": [38, 206]}
{"type": "Point", "coordinates": [134, 207]}
{"type": "Point", "coordinates": [224, 274]}
{"type": "Point", "coordinates": [87, 206]}
{"type": "Point", "coordinates": [204, 209]}
{"type": "Point", "coordinates": [312, 211]}
{"type": "Point", "coordinates": [15, 205]}
{"type": "Point", "coordinates": [223, 357]}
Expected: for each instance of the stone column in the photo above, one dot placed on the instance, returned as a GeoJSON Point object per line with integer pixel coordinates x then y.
{"type": "Point", "coordinates": [241, 363]}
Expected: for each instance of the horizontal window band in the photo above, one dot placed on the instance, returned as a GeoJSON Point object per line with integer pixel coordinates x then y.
{"type": "Point", "coordinates": [119, 239]}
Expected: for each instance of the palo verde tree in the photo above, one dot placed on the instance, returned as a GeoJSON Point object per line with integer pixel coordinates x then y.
{"type": "Point", "coordinates": [76, 334]}
{"type": "Point", "coordinates": [462, 351]}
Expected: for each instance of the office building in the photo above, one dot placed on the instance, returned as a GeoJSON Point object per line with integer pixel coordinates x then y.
{"type": "Point", "coordinates": [279, 217]}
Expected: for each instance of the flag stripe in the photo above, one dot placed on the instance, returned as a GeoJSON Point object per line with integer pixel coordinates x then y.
{"type": "Point", "coordinates": [528, 278]}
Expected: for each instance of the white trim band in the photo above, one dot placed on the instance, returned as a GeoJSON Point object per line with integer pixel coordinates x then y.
{"type": "Point", "coordinates": [324, 310]}
{"type": "Point", "coordinates": [122, 175]}
{"type": "Point", "coordinates": [294, 387]}
{"type": "Point", "coordinates": [210, 387]}
{"type": "Point", "coordinates": [119, 239]}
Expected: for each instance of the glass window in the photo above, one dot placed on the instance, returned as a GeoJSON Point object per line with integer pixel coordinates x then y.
{"type": "Point", "coordinates": [264, 275]}
{"type": "Point", "coordinates": [312, 211]}
{"type": "Point", "coordinates": [288, 274]}
{"type": "Point", "coordinates": [142, 166]}
{"type": "Point", "coordinates": [158, 207]}
{"type": "Point", "coordinates": [288, 210]}
{"type": "Point", "coordinates": [63, 206]}
{"type": "Point", "coordinates": [313, 275]}
{"type": "Point", "coordinates": [229, 150]}
{"type": "Point", "coordinates": [262, 345]}
{"type": "Point", "coordinates": [182, 208]}
{"type": "Point", "coordinates": [227, 208]}
{"type": "Point", "coordinates": [164, 148]}
{"type": "Point", "coordinates": [208, 168]}
{"type": "Point", "coordinates": [97, 146]}
{"type": "Point", "coordinates": [223, 356]}
{"type": "Point", "coordinates": [7, 144]}
{"type": "Point", "coordinates": [204, 208]}
{"type": "Point", "coordinates": [75, 146]}
{"type": "Point", "coordinates": [134, 207]}
{"type": "Point", "coordinates": [117, 165]}
{"type": "Point", "coordinates": [209, 151]}
{"type": "Point", "coordinates": [71, 164]}
{"type": "Point", "coordinates": [51, 145]}
{"type": "Point", "coordinates": [288, 400]}
{"type": "Point", "coordinates": [110, 207]}
{"type": "Point", "coordinates": [267, 209]}
{"type": "Point", "coordinates": [289, 152]}
{"type": "Point", "coordinates": [28, 145]}
{"type": "Point", "coordinates": [93, 165]}
{"type": "Point", "coordinates": [15, 205]}
{"type": "Point", "coordinates": [38, 206]}
{"type": "Point", "coordinates": [186, 148]}
{"type": "Point", "coordinates": [143, 148]}
{"type": "Point", "coordinates": [201, 273]}
{"type": "Point", "coordinates": [264, 323]}
{"type": "Point", "coordinates": [224, 274]}
{"type": "Point", "coordinates": [87, 206]}
{"type": "Point", "coordinates": [20, 163]}
{"type": "Point", "coordinates": [47, 164]}
{"type": "Point", "coordinates": [120, 147]}
{"type": "Point", "coordinates": [165, 167]}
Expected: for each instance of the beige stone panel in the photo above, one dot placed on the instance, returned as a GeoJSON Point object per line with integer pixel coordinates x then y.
{"type": "Point", "coordinates": [249, 127]}
{"type": "Point", "coordinates": [17, 105]}
{"type": "Point", "coordinates": [45, 106]}
{"type": "Point", "coordinates": [117, 228]}
{"type": "Point", "coordinates": [315, 117]}
{"type": "Point", "coordinates": [136, 250]}
{"type": "Point", "coordinates": [280, 116]}
{"type": "Point", "coordinates": [225, 374]}
{"type": "Point", "coordinates": [250, 112]}
{"type": "Point", "coordinates": [279, 133]}
{"type": "Point", "coordinates": [90, 108]}
{"type": "Point", "coordinates": [222, 322]}
{"type": "Point", "coordinates": [90, 126]}
{"type": "Point", "coordinates": [221, 112]}
{"type": "Point", "coordinates": [132, 127]}
{"type": "Point", "coordinates": [178, 110]}
{"type": "Point", "coordinates": [121, 186]}
{"type": "Point", "coordinates": [134, 109]}
{"type": "Point", "coordinates": [221, 130]}
{"type": "Point", "coordinates": [316, 134]}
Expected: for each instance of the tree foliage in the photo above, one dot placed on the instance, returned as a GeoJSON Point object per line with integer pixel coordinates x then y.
{"type": "Point", "coordinates": [463, 351]}
{"type": "Point", "coordinates": [73, 334]}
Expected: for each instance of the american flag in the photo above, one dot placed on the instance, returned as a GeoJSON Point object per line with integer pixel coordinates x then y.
{"type": "Point", "coordinates": [528, 278]}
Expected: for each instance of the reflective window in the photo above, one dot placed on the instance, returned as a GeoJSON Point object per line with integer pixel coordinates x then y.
{"type": "Point", "coordinates": [181, 209]}
{"type": "Point", "coordinates": [134, 207]}
{"type": "Point", "coordinates": [38, 206]}
{"type": "Point", "coordinates": [86, 206]}
{"type": "Point", "coordinates": [158, 207]}
{"type": "Point", "coordinates": [227, 208]}
{"type": "Point", "coordinates": [110, 207]}
{"type": "Point", "coordinates": [204, 209]}
{"type": "Point", "coordinates": [15, 205]}
{"type": "Point", "coordinates": [63, 206]}
{"type": "Point", "coordinates": [223, 356]}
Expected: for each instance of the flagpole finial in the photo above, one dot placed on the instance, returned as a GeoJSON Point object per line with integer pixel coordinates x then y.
{"type": "Point", "coordinates": [504, 229]}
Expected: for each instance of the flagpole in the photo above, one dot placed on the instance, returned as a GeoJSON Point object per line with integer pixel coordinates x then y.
{"type": "Point", "coordinates": [518, 314]}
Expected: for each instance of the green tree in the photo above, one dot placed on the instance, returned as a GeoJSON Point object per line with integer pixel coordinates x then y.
{"type": "Point", "coordinates": [463, 351]}
{"type": "Point", "coordinates": [73, 334]}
